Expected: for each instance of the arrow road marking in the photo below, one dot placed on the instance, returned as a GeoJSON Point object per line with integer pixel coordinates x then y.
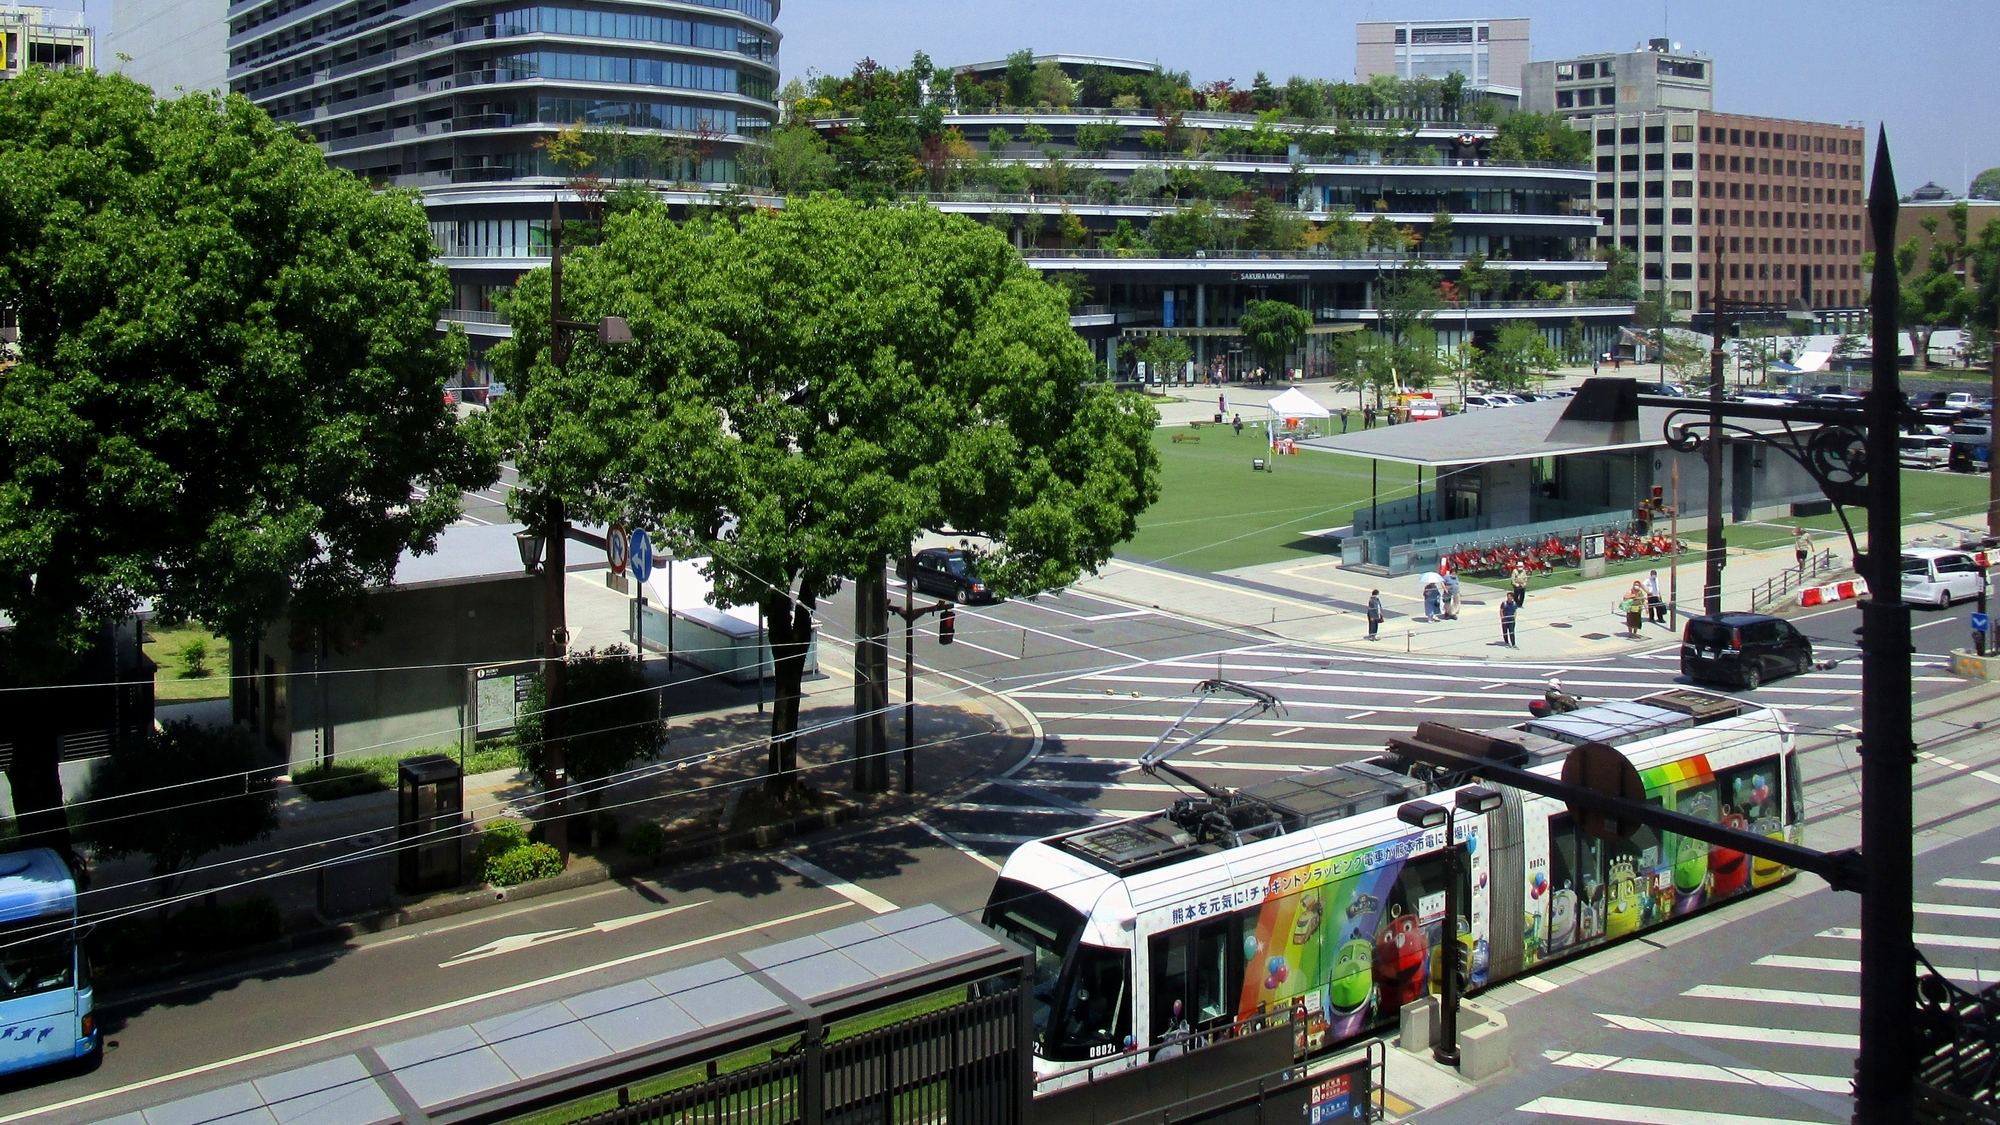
{"type": "Point", "coordinates": [514, 943]}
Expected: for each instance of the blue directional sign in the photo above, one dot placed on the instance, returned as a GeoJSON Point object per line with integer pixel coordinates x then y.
{"type": "Point", "coordinates": [1979, 623]}
{"type": "Point", "coordinates": [641, 561]}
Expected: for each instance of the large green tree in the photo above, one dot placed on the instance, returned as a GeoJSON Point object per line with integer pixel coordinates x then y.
{"type": "Point", "coordinates": [813, 388]}
{"type": "Point", "coordinates": [1934, 293]}
{"type": "Point", "coordinates": [1274, 330]}
{"type": "Point", "coordinates": [231, 391]}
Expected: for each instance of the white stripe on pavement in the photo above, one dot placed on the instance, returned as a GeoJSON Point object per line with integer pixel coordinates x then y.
{"type": "Point", "coordinates": [1131, 765]}
{"type": "Point", "coordinates": [1774, 996]}
{"type": "Point", "coordinates": [1951, 910]}
{"type": "Point", "coordinates": [1970, 884]}
{"type": "Point", "coordinates": [1142, 740]}
{"type": "Point", "coordinates": [1948, 941]}
{"type": "Point", "coordinates": [857, 895]}
{"type": "Point", "coordinates": [1736, 1033]}
{"type": "Point", "coordinates": [1701, 1072]}
{"type": "Point", "coordinates": [953, 842]}
{"type": "Point", "coordinates": [995, 838]}
{"type": "Point", "coordinates": [1851, 965]}
{"type": "Point", "coordinates": [1646, 1114]}
{"type": "Point", "coordinates": [1032, 810]}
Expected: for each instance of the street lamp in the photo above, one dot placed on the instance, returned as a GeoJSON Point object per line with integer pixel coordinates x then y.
{"type": "Point", "coordinates": [1473, 800]}
{"type": "Point", "coordinates": [610, 331]}
{"type": "Point", "coordinates": [530, 546]}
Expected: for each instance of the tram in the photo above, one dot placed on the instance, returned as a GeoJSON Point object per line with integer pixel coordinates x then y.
{"type": "Point", "coordinates": [1309, 893]}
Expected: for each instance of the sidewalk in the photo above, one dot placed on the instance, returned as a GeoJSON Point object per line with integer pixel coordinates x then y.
{"type": "Point", "coordinates": [1320, 602]}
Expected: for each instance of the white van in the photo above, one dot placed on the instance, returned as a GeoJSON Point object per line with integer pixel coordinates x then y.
{"type": "Point", "coordinates": [1926, 451]}
{"type": "Point", "coordinates": [1938, 576]}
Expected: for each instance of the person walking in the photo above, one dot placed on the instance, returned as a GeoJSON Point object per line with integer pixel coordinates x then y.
{"type": "Point", "coordinates": [1802, 549]}
{"type": "Point", "coordinates": [1433, 603]}
{"type": "Point", "coordinates": [1367, 417]}
{"type": "Point", "coordinates": [1520, 582]}
{"type": "Point", "coordinates": [1633, 601]}
{"type": "Point", "coordinates": [1593, 367]}
{"type": "Point", "coordinates": [1237, 425]}
{"type": "Point", "coordinates": [1374, 613]}
{"type": "Point", "coordinates": [1656, 608]}
{"type": "Point", "coordinates": [1221, 406]}
{"type": "Point", "coordinates": [1508, 609]}
{"type": "Point", "coordinates": [1451, 597]}
{"type": "Point", "coordinates": [1343, 419]}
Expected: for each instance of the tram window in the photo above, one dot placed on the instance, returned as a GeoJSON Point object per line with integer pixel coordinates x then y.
{"type": "Point", "coordinates": [1211, 982]}
{"type": "Point", "coordinates": [1039, 921]}
{"type": "Point", "coordinates": [1576, 885]}
{"type": "Point", "coordinates": [1097, 1012]}
{"type": "Point", "coordinates": [1751, 792]}
{"type": "Point", "coordinates": [1795, 791]}
{"type": "Point", "coordinates": [1197, 976]}
{"type": "Point", "coordinates": [1170, 955]}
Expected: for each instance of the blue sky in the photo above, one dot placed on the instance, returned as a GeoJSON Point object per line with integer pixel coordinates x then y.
{"type": "Point", "coordinates": [1925, 68]}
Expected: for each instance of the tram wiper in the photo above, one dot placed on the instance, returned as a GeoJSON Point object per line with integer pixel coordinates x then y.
{"type": "Point", "coordinates": [1154, 760]}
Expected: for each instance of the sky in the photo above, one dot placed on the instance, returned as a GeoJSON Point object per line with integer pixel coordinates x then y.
{"type": "Point", "coordinates": [1925, 69]}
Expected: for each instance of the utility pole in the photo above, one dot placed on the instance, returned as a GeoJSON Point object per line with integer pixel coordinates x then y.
{"type": "Point", "coordinates": [1884, 1074]}
{"type": "Point", "coordinates": [1718, 550]}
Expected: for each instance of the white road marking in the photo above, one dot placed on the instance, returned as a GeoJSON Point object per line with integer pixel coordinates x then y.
{"type": "Point", "coordinates": [1951, 910]}
{"type": "Point", "coordinates": [975, 838]}
{"type": "Point", "coordinates": [953, 842]}
{"type": "Point", "coordinates": [1430, 699]}
{"type": "Point", "coordinates": [990, 651]}
{"type": "Point", "coordinates": [1645, 1114]}
{"type": "Point", "coordinates": [1774, 996]}
{"type": "Point", "coordinates": [1946, 941]}
{"type": "Point", "coordinates": [1031, 810]}
{"type": "Point", "coordinates": [514, 943]}
{"type": "Point", "coordinates": [1970, 884]}
{"type": "Point", "coordinates": [1699, 1072]}
{"type": "Point", "coordinates": [1362, 715]}
{"type": "Point", "coordinates": [1736, 1033]}
{"type": "Point", "coordinates": [390, 1021]}
{"type": "Point", "coordinates": [1129, 765]}
{"type": "Point", "coordinates": [1143, 740]}
{"type": "Point", "coordinates": [859, 896]}
{"type": "Point", "coordinates": [1989, 777]}
{"type": "Point", "coordinates": [1976, 981]}
{"type": "Point", "coordinates": [1536, 984]}
{"type": "Point", "coordinates": [1286, 731]}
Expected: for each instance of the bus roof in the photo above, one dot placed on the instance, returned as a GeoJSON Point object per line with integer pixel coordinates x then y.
{"type": "Point", "coordinates": [34, 884]}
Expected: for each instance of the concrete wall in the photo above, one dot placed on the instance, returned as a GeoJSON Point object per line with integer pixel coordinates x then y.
{"type": "Point", "coordinates": [398, 691]}
{"type": "Point", "coordinates": [172, 43]}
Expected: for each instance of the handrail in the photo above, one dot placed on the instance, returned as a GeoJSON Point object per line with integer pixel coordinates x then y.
{"type": "Point", "coordinates": [1286, 160]}
{"type": "Point", "coordinates": [1776, 589]}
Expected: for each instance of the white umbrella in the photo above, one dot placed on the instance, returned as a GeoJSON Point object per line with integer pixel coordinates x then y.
{"type": "Point", "coordinates": [1433, 579]}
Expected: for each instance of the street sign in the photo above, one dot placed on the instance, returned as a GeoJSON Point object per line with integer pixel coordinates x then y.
{"type": "Point", "coordinates": [1979, 623]}
{"type": "Point", "coordinates": [642, 555]}
{"type": "Point", "coordinates": [617, 547]}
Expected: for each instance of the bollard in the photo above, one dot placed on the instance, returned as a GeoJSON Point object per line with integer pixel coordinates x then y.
{"type": "Point", "coordinates": [1409, 641]}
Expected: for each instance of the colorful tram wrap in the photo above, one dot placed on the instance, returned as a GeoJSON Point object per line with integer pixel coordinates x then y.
{"type": "Point", "coordinates": [1154, 932]}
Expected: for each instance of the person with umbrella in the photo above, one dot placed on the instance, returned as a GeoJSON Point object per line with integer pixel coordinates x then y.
{"type": "Point", "coordinates": [1433, 596]}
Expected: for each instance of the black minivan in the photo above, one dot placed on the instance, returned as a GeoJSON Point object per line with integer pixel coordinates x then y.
{"type": "Point", "coordinates": [1743, 649]}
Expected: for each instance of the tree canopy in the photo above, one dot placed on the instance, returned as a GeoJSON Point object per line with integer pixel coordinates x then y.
{"type": "Point", "coordinates": [231, 390]}
{"type": "Point", "coordinates": [812, 388]}
{"type": "Point", "coordinates": [1274, 329]}
{"type": "Point", "coordinates": [184, 792]}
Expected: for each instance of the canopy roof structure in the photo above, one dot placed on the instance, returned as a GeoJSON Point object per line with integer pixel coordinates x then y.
{"type": "Point", "coordinates": [1295, 403]}
{"type": "Point", "coordinates": [1605, 421]}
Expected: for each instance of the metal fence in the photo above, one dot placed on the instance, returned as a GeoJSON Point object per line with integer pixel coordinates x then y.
{"type": "Point", "coordinates": [959, 1066]}
{"type": "Point", "coordinates": [1772, 591]}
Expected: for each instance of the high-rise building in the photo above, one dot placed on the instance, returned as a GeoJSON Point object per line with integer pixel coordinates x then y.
{"type": "Point", "coordinates": [51, 37]}
{"type": "Point", "coordinates": [1659, 77]}
{"type": "Point", "coordinates": [459, 99]}
{"type": "Point", "coordinates": [1781, 201]}
{"type": "Point", "coordinates": [1489, 53]}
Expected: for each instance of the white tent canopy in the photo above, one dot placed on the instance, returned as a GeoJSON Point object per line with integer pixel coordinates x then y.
{"type": "Point", "coordinates": [1296, 403]}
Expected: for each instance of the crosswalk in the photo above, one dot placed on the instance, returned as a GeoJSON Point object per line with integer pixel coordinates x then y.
{"type": "Point", "coordinates": [1097, 721]}
{"type": "Point", "coordinates": [1772, 1043]}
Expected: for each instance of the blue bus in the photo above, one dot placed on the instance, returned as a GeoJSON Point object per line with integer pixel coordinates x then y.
{"type": "Point", "coordinates": [45, 994]}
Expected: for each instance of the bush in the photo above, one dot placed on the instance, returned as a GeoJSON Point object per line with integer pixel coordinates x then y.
{"type": "Point", "coordinates": [501, 836]}
{"type": "Point", "coordinates": [194, 659]}
{"type": "Point", "coordinates": [341, 780]}
{"type": "Point", "coordinates": [524, 864]}
{"type": "Point", "coordinates": [647, 839]}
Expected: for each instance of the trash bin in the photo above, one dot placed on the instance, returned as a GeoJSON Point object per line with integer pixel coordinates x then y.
{"type": "Point", "coordinates": [430, 817]}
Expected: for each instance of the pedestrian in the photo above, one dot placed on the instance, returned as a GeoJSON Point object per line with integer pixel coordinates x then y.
{"type": "Point", "coordinates": [1433, 603]}
{"type": "Point", "coordinates": [1519, 579]}
{"type": "Point", "coordinates": [1237, 425]}
{"type": "Point", "coordinates": [1593, 367]}
{"type": "Point", "coordinates": [1632, 603]}
{"type": "Point", "coordinates": [1367, 417]}
{"type": "Point", "coordinates": [1343, 419]}
{"type": "Point", "coordinates": [1451, 597]}
{"type": "Point", "coordinates": [1508, 609]}
{"type": "Point", "coordinates": [1656, 607]}
{"type": "Point", "coordinates": [1374, 613]}
{"type": "Point", "coordinates": [1221, 406]}
{"type": "Point", "coordinates": [1802, 549]}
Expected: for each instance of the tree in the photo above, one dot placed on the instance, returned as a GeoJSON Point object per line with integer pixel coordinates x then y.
{"type": "Point", "coordinates": [1274, 226]}
{"type": "Point", "coordinates": [1620, 281]}
{"type": "Point", "coordinates": [1518, 356]}
{"type": "Point", "coordinates": [800, 162]}
{"type": "Point", "coordinates": [1476, 279]}
{"type": "Point", "coordinates": [1438, 239]}
{"type": "Point", "coordinates": [1407, 297]}
{"type": "Point", "coordinates": [1274, 329]}
{"type": "Point", "coordinates": [1936, 297]}
{"type": "Point", "coordinates": [1050, 86]}
{"type": "Point", "coordinates": [1383, 233]}
{"type": "Point", "coordinates": [607, 722]}
{"type": "Point", "coordinates": [231, 392]}
{"type": "Point", "coordinates": [1986, 185]}
{"type": "Point", "coordinates": [1020, 78]}
{"type": "Point", "coordinates": [1094, 140]}
{"type": "Point", "coordinates": [812, 388]}
{"type": "Point", "coordinates": [1165, 357]}
{"type": "Point", "coordinates": [180, 794]}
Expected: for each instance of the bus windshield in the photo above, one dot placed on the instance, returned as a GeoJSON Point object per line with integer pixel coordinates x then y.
{"type": "Point", "coordinates": [1038, 921]}
{"type": "Point", "coordinates": [36, 956]}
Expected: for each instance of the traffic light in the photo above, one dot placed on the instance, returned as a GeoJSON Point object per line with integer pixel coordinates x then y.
{"type": "Point", "coordinates": [947, 625]}
{"type": "Point", "coordinates": [1659, 498]}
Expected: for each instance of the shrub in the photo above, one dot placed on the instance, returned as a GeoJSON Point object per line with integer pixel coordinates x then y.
{"type": "Point", "coordinates": [524, 864]}
{"type": "Point", "coordinates": [338, 781]}
{"type": "Point", "coordinates": [501, 836]}
{"type": "Point", "coordinates": [194, 659]}
{"type": "Point", "coordinates": [647, 839]}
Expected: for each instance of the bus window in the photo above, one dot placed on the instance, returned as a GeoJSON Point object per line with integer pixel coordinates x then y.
{"type": "Point", "coordinates": [36, 956]}
{"type": "Point", "coordinates": [1041, 922]}
{"type": "Point", "coordinates": [1097, 1014]}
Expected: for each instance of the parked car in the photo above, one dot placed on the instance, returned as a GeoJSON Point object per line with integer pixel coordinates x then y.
{"type": "Point", "coordinates": [1672, 390]}
{"type": "Point", "coordinates": [1971, 446]}
{"type": "Point", "coordinates": [1925, 451]}
{"type": "Point", "coordinates": [947, 572]}
{"type": "Point", "coordinates": [1483, 402]}
{"type": "Point", "coordinates": [1743, 650]}
{"type": "Point", "coordinates": [1939, 576]}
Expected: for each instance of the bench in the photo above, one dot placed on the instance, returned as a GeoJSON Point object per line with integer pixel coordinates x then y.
{"type": "Point", "coordinates": [1178, 438]}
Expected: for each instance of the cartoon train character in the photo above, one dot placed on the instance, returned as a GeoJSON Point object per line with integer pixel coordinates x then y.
{"type": "Point", "coordinates": [1562, 919]}
{"type": "Point", "coordinates": [1590, 910]}
{"type": "Point", "coordinates": [1353, 977]}
{"type": "Point", "coordinates": [1729, 869]}
{"type": "Point", "coordinates": [1311, 912]}
{"type": "Point", "coordinates": [1623, 906]}
{"type": "Point", "coordinates": [1399, 960]}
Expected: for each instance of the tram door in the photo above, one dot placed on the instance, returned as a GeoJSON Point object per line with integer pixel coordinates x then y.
{"type": "Point", "coordinates": [1197, 978]}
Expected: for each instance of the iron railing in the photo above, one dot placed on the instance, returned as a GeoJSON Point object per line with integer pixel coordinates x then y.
{"type": "Point", "coordinates": [1774, 590]}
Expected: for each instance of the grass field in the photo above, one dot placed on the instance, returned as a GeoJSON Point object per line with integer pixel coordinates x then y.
{"type": "Point", "coordinates": [171, 683]}
{"type": "Point", "coordinates": [1215, 513]}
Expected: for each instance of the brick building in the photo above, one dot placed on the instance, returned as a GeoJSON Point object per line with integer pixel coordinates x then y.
{"type": "Point", "coordinates": [1788, 199]}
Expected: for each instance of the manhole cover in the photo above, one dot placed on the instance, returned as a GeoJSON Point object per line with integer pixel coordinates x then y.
{"type": "Point", "coordinates": [1561, 625]}
{"type": "Point", "coordinates": [1597, 636]}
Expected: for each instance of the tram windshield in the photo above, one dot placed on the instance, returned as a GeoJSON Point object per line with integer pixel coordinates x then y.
{"type": "Point", "coordinates": [1039, 921]}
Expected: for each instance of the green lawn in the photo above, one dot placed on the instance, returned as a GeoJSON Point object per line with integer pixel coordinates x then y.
{"type": "Point", "coordinates": [180, 678]}
{"type": "Point", "coordinates": [1215, 513]}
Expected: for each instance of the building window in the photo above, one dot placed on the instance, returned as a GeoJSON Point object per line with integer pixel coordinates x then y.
{"type": "Point", "coordinates": [1736, 164]}
{"type": "Point", "coordinates": [1629, 162]}
{"type": "Point", "coordinates": [1682, 271]}
{"type": "Point", "coordinates": [1655, 189]}
{"type": "Point", "coordinates": [1630, 242]}
{"type": "Point", "coordinates": [1704, 189]}
{"type": "Point", "coordinates": [1607, 217]}
{"type": "Point", "coordinates": [1684, 162]}
{"type": "Point", "coordinates": [1735, 190]}
{"type": "Point", "coordinates": [1736, 136]}
{"type": "Point", "coordinates": [1707, 134]}
{"type": "Point", "coordinates": [1683, 244]}
{"type": "Point", "coordinates": [1819, 271]}
{"type": "Point", "coordinates": [1607, 164]}
{"type": "Point", "coordinates": [1656, 134]}
{"type": "Point", "coordinates": [1705, 162]}
{"type": "Point", "coordinates": [1704, 216]}
{"type": "Point", "coordinates": [1629, 217]}
{"type": "Point", "coordinates": [1819, 171]}
{"type": "Point", "coordinates": [1683, 216]}
{"type": "Point", "coordinates": [1683, 134]}
{"type": "Point", "coordinates": [1652, 216]}
{"type": "Point", "coordinates": [1791, 194]}
{"type": "Point", "coordinates": [1607, 137]}
{"type": "Point", "coordinates": [1606, 243]}
{"type": "Point", "coordinates": [1791, 271]}
{"type": "Point", "coordinates": [1791, 167]}
{"type": "Point", "coordinates": [1588, 97]}
{"type": "Point", "coordinates": [1629, 136]}
{"type": "Point", "coordinates": [1763, 218]}
{"type": "Point", "coordinates": [1565, 72]}
{"type": "Point", "coordinates": [1683, 189]}
{"type": "Point", "coordinates": [1565, 99]}
{"type": "Point", "coordinates": [1791, 246]}
{"type": "Point", "coordinates": [1736, 218]}
{"type": "Point", "coordinates": [1764, 192]}
{"type": "Point", "coordinates": [1607, 190]}
{"type": "Point", "coordinates": [1654, 244]}
{"type": "Point", "coordinates": [1763, 246]}
{"type": "Point", "coordinates": [1656, 162]}
{"type": "Point", "coordinates": [1735, 272]}
{"type": "Point", "coordinates": [1586, 70]}
{"type": "Point", "coordinates": [1792, 219]}
{"type": "Point", "coordinates": [1763, 140]}
{"type": "Point", "coordinates": [1628, 190]}
{"type": "Point", "coordinates": [1792, 142]}
{"type": "Point", "coordinates": [1704, 271]}
{"type": "Point", "coordinates": [1763, 271]}
{"type": "Point", "coordinates": [1704, 244]}
{"type": "Point", "coordinates": [1735, 246]}
{"type": "Point", "coordinates": [1819, 144]}
{"type": "Point", "coordinates": [1652, 271]}
{"type": "Point", "coordinates": [1680, 296]}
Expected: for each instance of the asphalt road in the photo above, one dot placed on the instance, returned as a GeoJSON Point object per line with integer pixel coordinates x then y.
{"type": "Point", "coordinates": [1103, 680]}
